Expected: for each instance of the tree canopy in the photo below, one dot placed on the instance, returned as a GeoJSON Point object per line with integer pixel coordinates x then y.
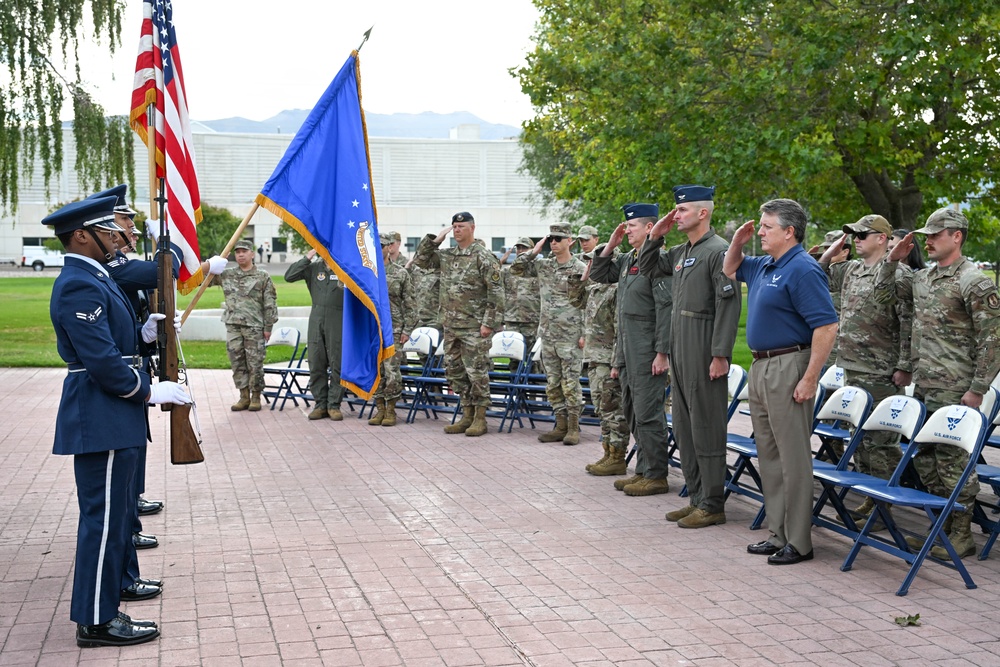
{"type": "Point", "coordinates": [34, 36]}
{"type": "Point", "coordinates": [848, 106]}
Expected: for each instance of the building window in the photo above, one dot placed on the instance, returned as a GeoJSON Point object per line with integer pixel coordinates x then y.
{"type": "Point", "coordinates": [498, 243]}
{"type": "Point", "coordinates": [411, 243]}
{"type": "Point", "coordinates": [279, 244]}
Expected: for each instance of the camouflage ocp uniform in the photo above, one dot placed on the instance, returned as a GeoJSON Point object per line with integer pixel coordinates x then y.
{"type": "Point", "coordinates": [472, 296]}
{"type": "Point", "coordinates": [427, 288]}
{"type": "Point", "coordinates": [521, 305]}
{"type": "Point", "coordinates": [403, 306]}
{"type": "Point", "coordinates": [599, 303]}
{"type": "Point", "coordinates": [251, 310]}
{"type": "Point", "coordinates": [956, 312]}
{"type": "Point", "coordinates": [873, 341]}
{"type": "Point", "coordinates": [560, 326]}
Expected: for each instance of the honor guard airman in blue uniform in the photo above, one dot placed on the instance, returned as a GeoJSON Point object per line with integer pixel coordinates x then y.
{"type": "Point", "coordinates": [101, 420]}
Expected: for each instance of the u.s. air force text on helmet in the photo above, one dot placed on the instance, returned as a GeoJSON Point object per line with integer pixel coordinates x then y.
{"type": "Point", "coordinates": [633, 211]}
{"type": "Point", "coordinates": [686, 193]}
{"type": "Point", "coordinates": [97, 213]}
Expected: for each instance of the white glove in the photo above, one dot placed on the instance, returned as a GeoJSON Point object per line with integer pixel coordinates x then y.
{"type": "Point", "coordinates": [149, 329]}
{"type": "Point", "coordinates": [217, 265]}
{"type": "Point", "coordinates": [168, 392]}
{"type": "Point", "coordinates": [152, 227]}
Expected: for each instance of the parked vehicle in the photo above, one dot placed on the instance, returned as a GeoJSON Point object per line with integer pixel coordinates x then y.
{"type": "Point", "coordinates": [38, 257]}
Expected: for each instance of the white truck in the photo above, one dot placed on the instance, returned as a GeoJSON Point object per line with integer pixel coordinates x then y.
{"type": "Point", "coordinates": [38, 257]}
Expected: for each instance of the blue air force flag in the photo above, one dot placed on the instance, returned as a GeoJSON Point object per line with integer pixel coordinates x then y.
{"type": "Point", "coordinates": [322, 188]}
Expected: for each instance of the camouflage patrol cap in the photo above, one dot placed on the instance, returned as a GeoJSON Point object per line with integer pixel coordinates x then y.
{"type": "Point", "coordinates": [870, 223]}
{"type": "Point", "coordinates": [944, 218]}
{"type": "Point", "coordinates": [561, 229]}
{"type": "Point", "coordinates": [587, 232]}
{"type": "Point", "coordinates": [524, 241]}
{"type": "Point", "coordinates": [396, 237]}
{"type": "Point", "coordinates": [244, 244]}
{"type": "Point", "coordinates": [385, 238]}
{"type": "Point", "coordinates": [831, 238]}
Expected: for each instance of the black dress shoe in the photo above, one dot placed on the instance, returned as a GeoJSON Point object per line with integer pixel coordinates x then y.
{"type": "Point", "coordinates": [149, 582]}
{"type": "Point", "coordinates": [149, 506]}
{"type": "Point", "coordinates": [143, 541]}
{"type": "Point", "coordinates": [125, 618]}
{"type": "Point", "coordinates": [788, 556]}
{"type": "Point", "coordinates": [139, 591]}
{"type": "Point", "coordinates": [764, 548]}
{"type": "Point", "coordinates": [115, 632]}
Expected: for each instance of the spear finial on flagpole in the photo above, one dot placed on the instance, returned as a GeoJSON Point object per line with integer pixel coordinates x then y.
{"type": "Point", "coordinates": [367, 35]}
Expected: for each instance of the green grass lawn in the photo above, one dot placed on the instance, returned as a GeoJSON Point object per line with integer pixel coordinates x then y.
{"type": "Point", "coordinates": [27, 338]}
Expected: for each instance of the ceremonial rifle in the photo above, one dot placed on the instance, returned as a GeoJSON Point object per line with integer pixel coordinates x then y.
{"type": "Point", "coordinates": [184, 444]}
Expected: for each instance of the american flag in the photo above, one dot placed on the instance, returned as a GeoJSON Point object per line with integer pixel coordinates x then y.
{"type": "Point", "coordinates": [159, 81]}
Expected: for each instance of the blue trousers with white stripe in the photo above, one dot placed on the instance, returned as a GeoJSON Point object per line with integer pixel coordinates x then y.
{"type": "Point", "coordinates": [104, 483]}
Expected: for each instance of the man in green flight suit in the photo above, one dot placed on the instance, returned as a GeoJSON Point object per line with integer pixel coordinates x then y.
{"type": "Point", "coordinates": [640, 362]}
{"type": "Point", "coordinates": [706, 313]}
{"type": "Point", "coordinates": [326, 325]}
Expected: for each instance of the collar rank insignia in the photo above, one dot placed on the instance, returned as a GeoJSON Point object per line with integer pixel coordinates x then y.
{"type": "Point", "coordinates": [90, 318]}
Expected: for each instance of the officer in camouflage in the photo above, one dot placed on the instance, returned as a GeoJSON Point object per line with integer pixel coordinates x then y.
{"type": "Point", "coordinates": [472, 306]}
{"type": "Point", "coordinates": [250, 313]}
{"type": "Point", "coordinates": [588, 236]}
{"type": "Point", "coordinates": [643, 332]}
{"type": "Point", "coordinates": [521, 299]}
{"type": "Point", "coordinates": [427, 286]}
{"type": "Point", "coordinates": [706, 314]}
{"type": "Point", "coordinates": [873, 341]}
{"type": "Point", "coordinates": [599, 303]}
{"type": "Point", "coordinates": [560, 326]}
{"type": "Point", "coordinates": [403, 306]}
{"type": "Point", "coordinates": [326, 328]}
{"type": "Point", "coordinates": [956, 312]}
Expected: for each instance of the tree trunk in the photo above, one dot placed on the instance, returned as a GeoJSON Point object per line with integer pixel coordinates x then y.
{"type": "Point", "coordinates": [899, 205]}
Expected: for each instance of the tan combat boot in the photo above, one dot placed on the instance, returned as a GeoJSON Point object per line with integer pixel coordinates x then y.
{"type": "Point", "coordinates": [335, 414]}
{"type": "Point", "coordinates": [478, 425]}
{"type": "Point", "coordinates": [916, 543]}
{"type": "Point", "coordinates": [558, 431]}
{"type": "Point", "coordinates": [318, 413]}
{"type": "Point", "coordinates": [620, 484]}
{"type": "Point", "coordinates": [254, 401]}
{"type": "Point", "coordinates": [677, 515]}
{"type": "Point", "coordinates": [960, 535]}
{"type": "Point", "coordinates": [379, 415]}
{"type": "Point", "coordinates": [244, 401]}
{"type": "Point", "coordinates": [863, 510]}
{"type": "Point", "coordinates": [572, 436]}
{"type": "Point", "coordinates": [615, 465]}
{"type": "Point", "coordinates": [603, 459]}
{"type": "Point", "coordinates": [700, 519]}
{"type": "Point", "coordinates": [647, 486]}
{"type": "Point", "coordinates": [464, 424]}
{"type": "Point", "coordinates": [390, 414]}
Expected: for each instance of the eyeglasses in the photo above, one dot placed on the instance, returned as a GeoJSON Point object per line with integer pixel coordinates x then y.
{"type": "Point", "coordinates": [558, 238]}
{"type": "Point", "coordinates": [861, 236]}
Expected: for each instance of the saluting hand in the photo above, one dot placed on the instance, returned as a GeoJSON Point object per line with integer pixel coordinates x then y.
{"type": "Point", "coordinates": [664, 225]}
{"type": "Point", "coordinates": [834, 250]}
{"type": "Point", "coordinates": [744, 234]}
{"type": "Point", "coordinates": [615, 240]}
{"type": "Point", "coordinates": [902, 249]}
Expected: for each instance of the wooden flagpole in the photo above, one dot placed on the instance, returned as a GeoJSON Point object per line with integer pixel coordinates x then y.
{"type": "Point", "coordinates": [225, 253]}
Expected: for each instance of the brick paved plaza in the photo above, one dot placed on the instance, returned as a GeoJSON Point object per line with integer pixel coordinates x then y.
{"type": "Point", "coordinates": [322, 543]}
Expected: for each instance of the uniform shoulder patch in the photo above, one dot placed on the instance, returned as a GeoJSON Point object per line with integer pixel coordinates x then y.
{"type": "Point", "coordinates": [90, 318]}
{"type": "Point", "coordinates": [495, 277]}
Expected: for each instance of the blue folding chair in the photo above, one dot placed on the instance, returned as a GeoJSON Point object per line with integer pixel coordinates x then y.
{"type": "Point", "coordinates": [896, 414]}
{"type": "Point", "coordinates": [955, 425]}
{"type": "Point", "coordinates": [288, 374]}
{"type": "Point", "coordinates": [505, 347]}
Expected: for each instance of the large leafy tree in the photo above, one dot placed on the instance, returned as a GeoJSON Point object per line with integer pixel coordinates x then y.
{"type": "Point", "coordinates": [37, 39]}
{"type": "Point", "coordinates": [849, 106]}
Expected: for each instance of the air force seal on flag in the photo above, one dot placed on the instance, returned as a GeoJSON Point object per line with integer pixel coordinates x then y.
{"type": "Point", "coordinates": [90, 318]}
{"type": "Point", "coordinates": [365, 240]}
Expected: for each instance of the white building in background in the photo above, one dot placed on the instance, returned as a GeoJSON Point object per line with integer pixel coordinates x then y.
{"type": "Point", "coordinates": [419, 184]}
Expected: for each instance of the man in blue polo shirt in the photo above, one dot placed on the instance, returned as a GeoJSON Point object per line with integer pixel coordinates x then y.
{"type": "Point", "coordinates": [791, 328]}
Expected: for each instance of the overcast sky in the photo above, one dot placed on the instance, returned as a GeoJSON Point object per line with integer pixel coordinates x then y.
{"type": "Point", "coordinates": [255, 58]}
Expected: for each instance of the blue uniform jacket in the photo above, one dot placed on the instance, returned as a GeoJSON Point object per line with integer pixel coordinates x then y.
{"type": "Point", "coordinates": [135, 275]}
{"type": "Point", "coordinates": [103, 397]}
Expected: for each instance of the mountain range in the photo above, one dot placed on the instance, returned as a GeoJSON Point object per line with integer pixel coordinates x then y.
{"type": "Point", "coordinates": [426, 125]}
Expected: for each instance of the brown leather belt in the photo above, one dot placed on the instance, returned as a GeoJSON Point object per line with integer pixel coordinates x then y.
{"type": "Point", "coordinates": [767, 354]}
